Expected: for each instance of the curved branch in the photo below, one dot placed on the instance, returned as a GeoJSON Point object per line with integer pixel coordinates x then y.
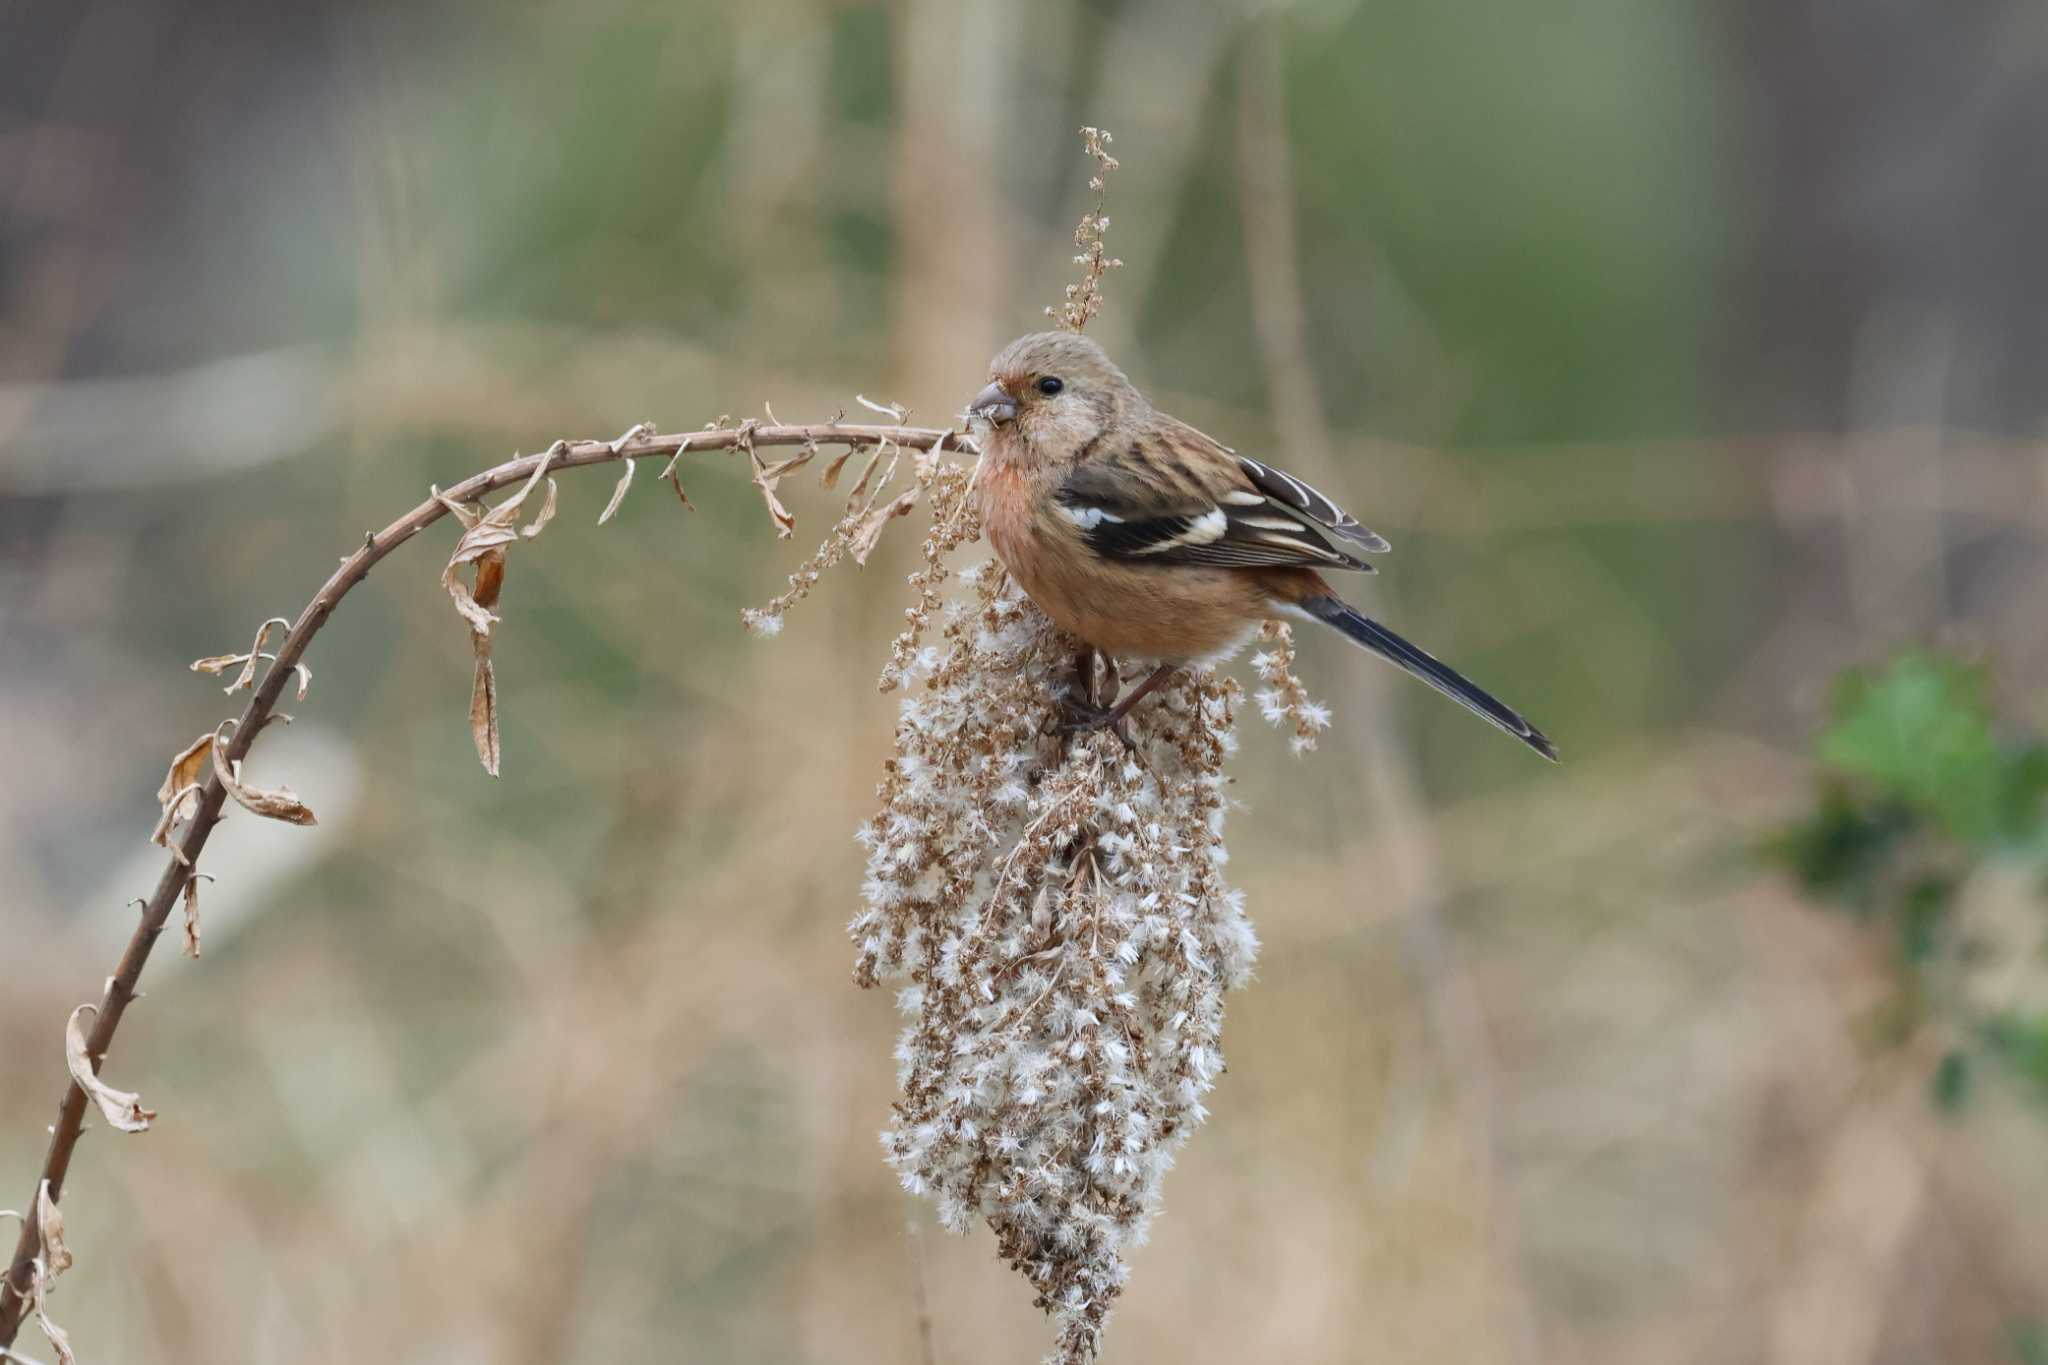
{"type": "Point", "coordinates": [120, 990]}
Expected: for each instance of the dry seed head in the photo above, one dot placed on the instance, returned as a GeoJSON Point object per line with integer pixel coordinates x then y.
{"type": "Point", "coordinates": [1056, 919]}
{"type": "Point", "coordinates": [1084, 299]}
{"type": "Point", "coordinates": [1283, 701]}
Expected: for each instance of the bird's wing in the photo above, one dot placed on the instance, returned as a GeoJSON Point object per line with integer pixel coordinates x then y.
{"type": "Point", "coordinates": [1177, 497]}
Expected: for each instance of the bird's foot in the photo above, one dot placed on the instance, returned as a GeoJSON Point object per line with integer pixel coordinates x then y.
{"type": "Point", "coordinates": [1085, 718]}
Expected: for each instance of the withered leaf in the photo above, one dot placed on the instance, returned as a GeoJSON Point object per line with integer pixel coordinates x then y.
{"type": "Point", "coordinates": [192, 913]}
{"type": "Point", "coordinates": [59, 1339]}
{"type": "Point", "coordinates": [120, 1108]}
{"type": "Point", "coordinates": [618, 445]}
{"type": "Point", "coordinates": [50, 1230]}
{"type": "Point", "coordinates": [547, 514]}
{"type": "Point", "coordinates": [895, 412]}
{"type": "Point", "coordinates": [618, 493]}
{"type": "Point", "coordinates": [220, 663]}
{"type": "Point", "coordinates": [867, 472]}
{"type": "Point", "coordinates": [766, 477]}
{"type": "Point", "coordinates": [668, 472]}
{"type": "Point", "coordinates": [486, 533]}
{"type": "Point", "coordinates": [280, 804]}
{"type": "Point", "coordinates": [179, 794]}
{"type": "Point", "coordinates": [483, 708]}
{"type": "Point", "coordinates": [468, 516]}
{"type": "Point", "coordinates": [490, 581]}
{"type": "Point", "coordinates": [830, 478]}
{"type": "Point", "coordinates": [869, 531]}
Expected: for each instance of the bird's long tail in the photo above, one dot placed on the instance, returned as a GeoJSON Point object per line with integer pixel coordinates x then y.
{"type": "Point", "coordinates": [1363, 629]}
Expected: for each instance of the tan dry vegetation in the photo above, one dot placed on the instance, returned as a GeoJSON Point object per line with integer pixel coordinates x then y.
{"type": "Point", "coordinates": [568, 1067]}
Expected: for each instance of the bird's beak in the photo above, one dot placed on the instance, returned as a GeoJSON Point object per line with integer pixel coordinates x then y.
{"type": "Point", "coordinates": [993, 404]}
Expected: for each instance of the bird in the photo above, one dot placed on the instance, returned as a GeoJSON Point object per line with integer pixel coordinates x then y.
{"type": "Point", "coordinates": [1147, 539]}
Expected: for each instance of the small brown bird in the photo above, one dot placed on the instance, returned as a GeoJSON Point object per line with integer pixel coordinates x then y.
{"type": "Point", "coordinates": [1146, 539]}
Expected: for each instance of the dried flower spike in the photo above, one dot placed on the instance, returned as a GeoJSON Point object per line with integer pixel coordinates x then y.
{"type": "Point", "coordinates": [1084, 299]}
{"type": "Point", "coordinates": [1058, 923]}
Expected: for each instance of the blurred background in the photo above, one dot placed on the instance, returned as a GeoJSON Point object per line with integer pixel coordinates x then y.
{"type": "Point", "coordinates": [1688, 353]}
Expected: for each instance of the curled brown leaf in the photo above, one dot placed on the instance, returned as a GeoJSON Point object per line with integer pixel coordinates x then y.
{"type": "Point", "coordinates": [60, 1340]}
{"type": "Point", "coordinates": [120, 1108]}
{"type": "Point", "coordinates": [221, 663]}
{"type": "Point", "coordinates": [668, 472]}
{"type": "Point", "coordinates": [618, 493]}
{"type": "Point", "coordinates": [279, 804]}
{"type": "Point", "coordinates": [485, 534]}
{"type": "Point", "coordinates": [50, 1231]}
{"type": "Point", "coordinates": [618, 445]}
{"type": "Point", "coordinates": [867, 472]}
{"type": "Point", "coordinates": [547, 514]}
{"type": "Point", "coordinates": [192, 913]}
{"type": "Point", "coordinates": [895, 412]}
{"type": "Point", "coordinates": [869, 532]}
{"type": "Point", "coordinates": [767, 476]}
{"type": "Point", "coordinates": [483, 707]}
{"type": "Point", "coordinates": [830, 478]}
{"type": "Point", "coordinates": [179, 794]}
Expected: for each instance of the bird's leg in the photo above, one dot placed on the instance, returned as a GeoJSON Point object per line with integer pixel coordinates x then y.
{"type": "Point", "coordinates": [1082, 711]}
{"type": "Point", "coordinates": [1080, 702]}
{"type": "Point", "coordinates": [1113, 717]}
{"type": "Point", "coordinates": [1091, 681]}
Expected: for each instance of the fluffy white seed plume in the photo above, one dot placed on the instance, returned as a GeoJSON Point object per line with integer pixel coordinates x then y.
{"type": "Point", "coordinates": [1055, 915]}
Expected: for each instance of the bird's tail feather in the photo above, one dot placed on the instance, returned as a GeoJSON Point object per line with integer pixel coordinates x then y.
{"type": "Point", "coordinates": [1445, 679]}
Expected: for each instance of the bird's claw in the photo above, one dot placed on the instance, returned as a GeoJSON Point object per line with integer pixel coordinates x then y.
{"type": "Point", "coordinates": [1085, 718]}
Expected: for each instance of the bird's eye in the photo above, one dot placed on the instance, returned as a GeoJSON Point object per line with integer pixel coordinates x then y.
{"type": "Point", "coordinates": [1050, 385]}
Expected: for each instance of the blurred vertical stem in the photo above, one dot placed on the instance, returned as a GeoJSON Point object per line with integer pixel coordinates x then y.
{"type": "Point", "coordinates": [1266, 196]}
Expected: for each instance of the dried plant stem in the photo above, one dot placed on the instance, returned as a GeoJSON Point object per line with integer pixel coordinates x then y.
{"type": "Point", "coordinates": [180, 868]}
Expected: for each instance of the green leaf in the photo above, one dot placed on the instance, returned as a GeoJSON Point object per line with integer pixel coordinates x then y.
{"type": "Point", "coordinates": [1841, 849]}
{"type": "Point", "coordinates": [1921, 730]}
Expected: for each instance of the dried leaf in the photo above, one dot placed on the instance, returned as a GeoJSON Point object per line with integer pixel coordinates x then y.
{"type": "Point", "coordinates": [305, 679]}
{"type": "Point", "coordinates": [618, 492]}
{"type": "Point", "coordinates": [870, 529]}
{"type": "Point", "coordinates": [50, 1230]}
{"type": "Point", "coordinates": [486, 535]}
{"type": "Point", "coordinates": [830, 478]}
{"type": "Point", "coordinates": [797, 461]}
{"type": "Point", "coordinates": [866, 473]}
{"type": "Point", "coordinates": [120, 1108]}
{"type": "Point", "coordinates": [219, 663]}
{"type": "Point", "coordinates": [765, 479]}
{"type": "Point", "coordinates": [547, 514]}
{"type": "Point", "coordinates": [247, 676]}
{"type": "Point", "coordinates": [490, 582]}
{"type": "Point", "coordinates": [668, 471]}
{"type": "Point", "coordinates": [59, 1339]}
{"type": "Point", "coordinates": [161, 835]}
{"type": "Point", "coordinates": [895, 412]}
{"type": "Point", "coordinates": [280, 804]}
{"type": "Point", "coordinates": [468, 516]}
{"type": "Point", "coordinates": [192, 913]}
{"type": "Point", "coordinates": [483, 709]}
{"type": "Point", "coordinates": [629, 435]}
{"type": "Point", "coordinates": [179, 795]}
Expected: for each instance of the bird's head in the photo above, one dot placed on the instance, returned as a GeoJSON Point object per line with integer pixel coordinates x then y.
{"type": "Point", "coordinates": [1051, 393]}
